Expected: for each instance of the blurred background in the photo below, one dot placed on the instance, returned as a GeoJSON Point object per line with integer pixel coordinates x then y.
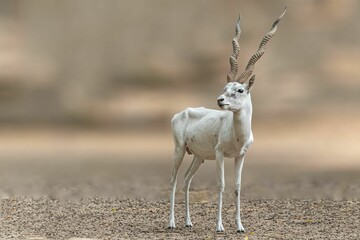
{"type": "Point", "coordinates": [88, 88]}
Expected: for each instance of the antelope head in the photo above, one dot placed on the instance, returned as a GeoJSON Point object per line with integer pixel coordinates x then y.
{"type": "Point", "coordinates": [237, 90]}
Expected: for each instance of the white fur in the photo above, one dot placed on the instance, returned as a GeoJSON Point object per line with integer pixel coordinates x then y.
{"type": "Point", "coordinates": [212, 135]}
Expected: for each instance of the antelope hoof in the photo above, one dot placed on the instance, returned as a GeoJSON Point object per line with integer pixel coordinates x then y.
{"type": "Point", "coordinates": [188, 223]}
{"type": "Point", "coordinates": [240, 228]}
{"type": "Point", "coordinates": [171, 225]}
{"type": "Point", "coordinates": [220, 229]}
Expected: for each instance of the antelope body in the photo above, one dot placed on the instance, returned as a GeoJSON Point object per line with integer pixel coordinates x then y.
{"type": "Point", "coordinates": [214, 134]}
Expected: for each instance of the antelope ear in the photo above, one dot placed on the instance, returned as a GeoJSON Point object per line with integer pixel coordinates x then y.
{"type": "Point", "coordinates": [251, 83]}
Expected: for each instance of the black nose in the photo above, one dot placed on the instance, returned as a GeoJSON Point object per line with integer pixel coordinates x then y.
{"type": "Point", "coordinates": [220, 100]}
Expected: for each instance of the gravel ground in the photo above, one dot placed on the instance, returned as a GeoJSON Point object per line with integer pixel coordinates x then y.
{"type": "Point", "coordinates": [104, 218]}
{"type": "Point", "coordinates": [106, 197]}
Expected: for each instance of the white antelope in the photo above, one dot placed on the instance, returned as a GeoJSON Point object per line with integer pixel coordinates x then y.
{"type": "Point", "coordinates": [214, 134]}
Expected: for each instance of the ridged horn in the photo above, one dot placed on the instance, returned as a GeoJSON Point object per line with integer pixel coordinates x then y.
{"type": "Point", "coordinates": [261, 50]}
{"type": "Point", "coordinates": [236, 50]}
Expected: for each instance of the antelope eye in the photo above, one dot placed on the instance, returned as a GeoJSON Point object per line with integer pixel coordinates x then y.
{"type": "Point", "coordinates": [240, 90]}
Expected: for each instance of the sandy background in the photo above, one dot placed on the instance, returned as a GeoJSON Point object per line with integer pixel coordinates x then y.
{"type": "Point", "coordinates": [88, 88]}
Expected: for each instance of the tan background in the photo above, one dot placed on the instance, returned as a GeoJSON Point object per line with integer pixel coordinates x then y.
{"type": "Point", "coordinates": [88, 88]}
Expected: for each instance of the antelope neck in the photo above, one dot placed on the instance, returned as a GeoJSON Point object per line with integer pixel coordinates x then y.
{"type": "Point", "coordinates": [242, 121]}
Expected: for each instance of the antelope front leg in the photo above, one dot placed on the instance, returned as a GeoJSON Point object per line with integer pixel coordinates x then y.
{"type": "Point", "coordinates": [239, 161]}
{"type": "Point", "coordinates": [221, 187]}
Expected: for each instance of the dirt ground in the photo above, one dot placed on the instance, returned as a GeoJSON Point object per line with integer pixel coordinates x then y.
{"type": "Point", "coordinates": [65, 186]}
{"type": "Point", "coordinates": [112, 200]}
{"type": "Point", "coordinates": [104, 218]}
